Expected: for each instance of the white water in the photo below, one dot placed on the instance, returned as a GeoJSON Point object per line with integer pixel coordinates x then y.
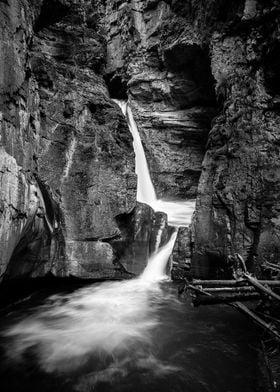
{"type": "Point", "coordinates": [109, 325]}
{"type": "Point", "coordinates": [112, 323]}
{"type": "Point", "coordinates": [179, 212]}
{"type": "Point", "coordinates": [157, 263]}
{"type": "Point", "coordinates": [145, 189]}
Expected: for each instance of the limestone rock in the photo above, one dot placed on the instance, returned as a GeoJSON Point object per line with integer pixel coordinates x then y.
{"type": "Point", "coordinates": [203, 82]}
{"type": "Point", "coordinates": [202, 79]}
{"type": "Point", "coordinates": [67, 162]}
{"type": "Point", "coordinates": [145, 232]}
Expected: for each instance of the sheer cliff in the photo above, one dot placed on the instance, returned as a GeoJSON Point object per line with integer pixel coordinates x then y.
{"type": "Point", "coordinates": [67, 165]}
{"type": "Point", "coordinates": [202, 79]}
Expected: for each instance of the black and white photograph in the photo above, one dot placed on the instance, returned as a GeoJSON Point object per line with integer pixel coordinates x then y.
{"type": "Point", "coordinates": [140, 195]}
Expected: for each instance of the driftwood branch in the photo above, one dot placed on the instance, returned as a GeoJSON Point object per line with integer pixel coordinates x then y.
{"type": "Point", "coordinates": [259, 286]}
{"type": "Point", "coordinates": [276, 266]}
{"type": "Point", "coordinates": [232, 282]}
{"type": "Point", "coordinates": [225, 299]}
{"type": "Point", "coordinates": [270, 327]}
{"type": "Point", "coordinates": [231, 292]}
{"type": "Point", "coordinates": [268, 267]}
{"type": "Point", "coordinates": [241, 289]}
{"type": "Point", "coordinates": [207, 299]}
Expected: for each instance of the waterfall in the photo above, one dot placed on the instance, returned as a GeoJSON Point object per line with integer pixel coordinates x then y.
{"type": "Point", "coordinates": [145, 189]}
{"type": "Point", "coordinates": [156, 267]}
{"type": "Point", "coordinates": [113, 320]}
{"type": "Point", "coordinates": [179, 212]}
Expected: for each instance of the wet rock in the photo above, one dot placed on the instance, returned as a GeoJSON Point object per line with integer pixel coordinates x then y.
{"type": "Point", "coordinates": [67, 161]}
{"type": "Point", "coordinates": [144, 232]}
{"type": "Point", "coordinates": [170, 88]}
{"type": "Point", "coordinates": [181, 255]}
{"type": "Point", "coordinates": [203, 83]}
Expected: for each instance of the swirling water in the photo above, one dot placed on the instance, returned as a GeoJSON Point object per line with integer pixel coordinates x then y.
{"type": "Point", "coordinates": [134, 335]}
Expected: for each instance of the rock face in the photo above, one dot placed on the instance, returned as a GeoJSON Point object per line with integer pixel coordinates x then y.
{"type": "Point", "coordinates": [168, 79]}
{"type": "Point", "coordinates": [203, 83]}
{"type": "Point", "coordinates": [237, 205]}
{"type": "Point", "coordinates": [182, 254]}
{"type": "Point", "coordinates": [190, 68]}
{"type": "Point", "coordinates": [143, 232]}
{"type": "Point", "coordinates": [67, 162]}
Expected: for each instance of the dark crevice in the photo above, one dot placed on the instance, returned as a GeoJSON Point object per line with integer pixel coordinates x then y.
{"type": "Point", "coordinates": [117, 86]}
{"type": "Point", "coordinates": [271, 69]}
{"type": "Point", "coordinates": [49, 204]}
{"type": "Point", "coordinates": [51, 12]}
{"type": "Point", "coordinates": [36, 245]}
{"type": "Point", "coordinates": [192, 63]}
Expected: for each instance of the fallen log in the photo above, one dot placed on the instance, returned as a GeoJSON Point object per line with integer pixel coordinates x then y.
{"type": "Point", "coordinates": [256, 283]}
{"type": "Point", "coordinates": [277, 266]}
{"type": "Point", "coordinates": [208, 299]}
{"type": "Point", "coordinates": [241, 289]}
{"type": "Point", "coordinates": [199, 290]}
{"type": "Point", "coordinates": [229, 282]}
{"type": "Point", "coordinates": [269, 267]}
{"type": "Point", "coordinates": [243, 309]}
{"type": "Point", "coordinates": [225, 299]}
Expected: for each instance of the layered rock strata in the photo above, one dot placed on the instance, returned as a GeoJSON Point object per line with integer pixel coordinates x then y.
{"type": "Point", "coordinates": [189, 68]}
{"type": "Point", "coordinates": [202, 79]}
{"type": "Point", "coordinates": [168, 79]}
{"type": "Point", "coordinates": [67, 162]}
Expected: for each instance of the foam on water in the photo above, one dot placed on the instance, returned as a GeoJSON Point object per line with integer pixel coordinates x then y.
{"type": "Point", "coordinates": [111, 323]}
{"type": "Point", "coordinates": [145, 189]}
{"type": "Point", "coordinates": [179, 212]}
{"type": "Point", "coordinates": [110, 320]}
{"type": "Point", "coordinates": [156, 268]}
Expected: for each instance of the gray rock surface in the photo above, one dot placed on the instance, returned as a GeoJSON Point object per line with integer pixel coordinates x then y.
{"type": "Point", "coordinates": [203, 82]}
{"type": "Point", "coordinates": [67, 162]}
{"type": "Point", "coordinates": [192, 67]}
{"type": "Point", "coordinates": [170, 88]}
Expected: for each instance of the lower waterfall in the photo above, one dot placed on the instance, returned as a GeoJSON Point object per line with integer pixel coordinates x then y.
{"type": "Point", "coordinates": [179, 213]}
{"type": "Point", "coordinates": [156, 267]}
{"type": "Point", "coordinates": [134, 335]}
{"type": "Point", "coordinates": [106, 319]}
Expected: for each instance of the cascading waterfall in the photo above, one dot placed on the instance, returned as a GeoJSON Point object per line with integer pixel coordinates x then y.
{"type": "Point", "coordinates": [179, 213]}
{"type": "Point", "coordinates": [145, 189]}
{"type": "Point", "coordinates": [110, 318]}
{"type": "Point", "coordinates": [158, 261]}
{"type": "Point", "coordinates": [122, 336]}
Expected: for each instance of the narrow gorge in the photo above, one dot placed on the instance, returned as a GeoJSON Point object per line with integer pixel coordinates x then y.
{"type": "Point", "coordinates": [140, 144]}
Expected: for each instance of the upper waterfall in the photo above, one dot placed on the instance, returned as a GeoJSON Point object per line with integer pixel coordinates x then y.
{"type": "Point", "coordinates": [179, 212]}
{"type": "Point", "coordinates": [145, 189]}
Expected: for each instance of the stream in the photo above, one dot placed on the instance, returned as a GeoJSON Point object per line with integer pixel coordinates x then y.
{"type": "Point", "coordinates": [134, 335]}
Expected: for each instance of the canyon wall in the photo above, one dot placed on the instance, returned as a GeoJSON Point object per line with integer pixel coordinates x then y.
{"type": "Point", "coordinates": [67, 162]}
{"type": "Point", "coordinates": [203, 82]}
